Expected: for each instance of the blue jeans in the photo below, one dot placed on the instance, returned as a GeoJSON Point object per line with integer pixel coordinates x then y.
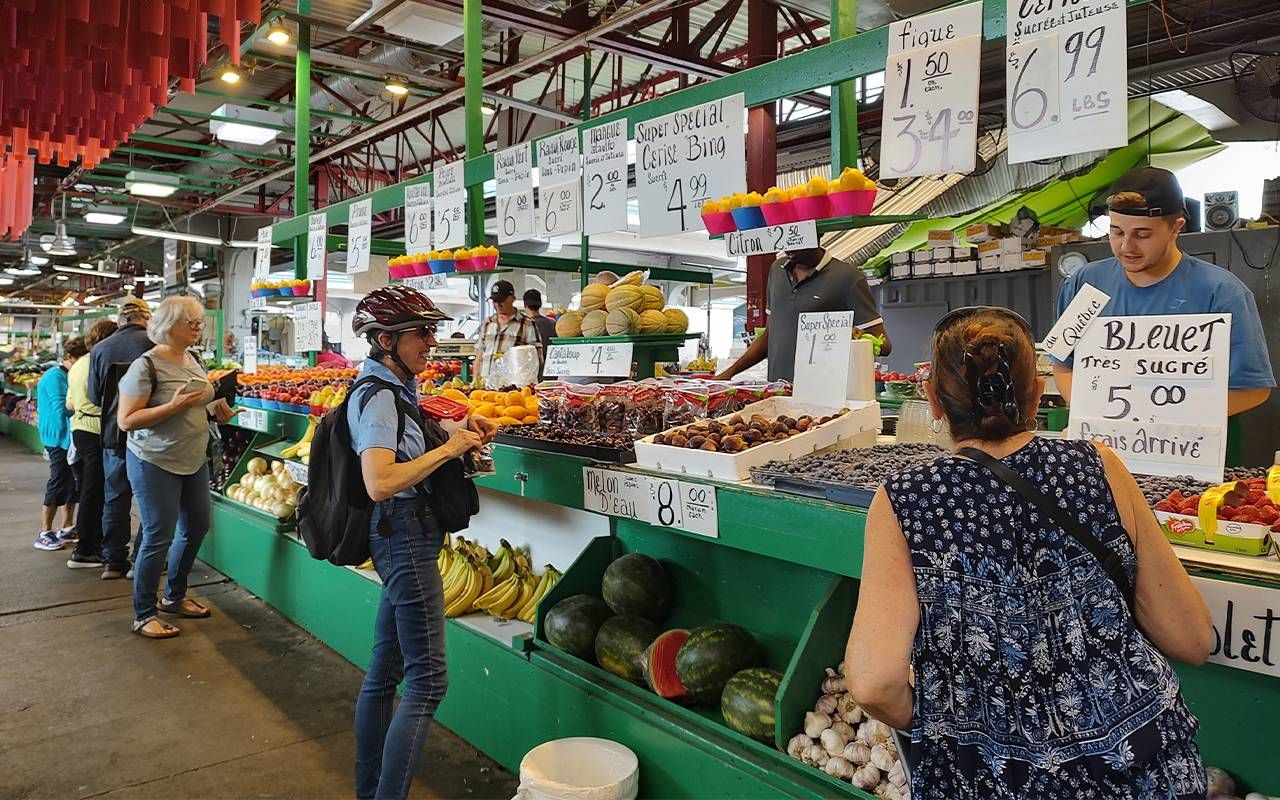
{"type": "Point", "coordinates": [408, 644]}
{"type": "Point", "coordinates": [117, 497]}
{"type": "Point", "coordinates": [166, 502]}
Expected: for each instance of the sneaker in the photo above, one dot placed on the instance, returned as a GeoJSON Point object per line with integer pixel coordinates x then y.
{"type": "Point", "coordinates": [48, 540]}
{"type": "Point", "coordinates": [129, 574]}
{"type": "Point", "coordinates": [112, 572]}
{"type": "Point", "coordinates": [68, 535]}
{"type": "Point", "coordinates": [78, 561]}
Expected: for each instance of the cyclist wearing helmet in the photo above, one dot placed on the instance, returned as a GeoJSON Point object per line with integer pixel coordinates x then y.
{"type": "Point", "coordinates": [404, 537]}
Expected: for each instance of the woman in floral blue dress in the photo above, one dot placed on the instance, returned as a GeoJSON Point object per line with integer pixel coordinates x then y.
{"type": "Point", "coordinates": [998, 638]}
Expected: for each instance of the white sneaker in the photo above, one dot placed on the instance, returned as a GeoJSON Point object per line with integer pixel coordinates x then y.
{"type": "Point", "coordinates": [48, 540]}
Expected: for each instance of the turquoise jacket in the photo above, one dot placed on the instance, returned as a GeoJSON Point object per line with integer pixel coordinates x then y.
{"type": "Point", "coordinates": [53, 418]}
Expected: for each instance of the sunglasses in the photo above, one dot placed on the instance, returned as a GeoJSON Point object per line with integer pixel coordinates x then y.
{"type": "Point", "coordinates": [960, 314]}
{"type": "Point", "coordinates": [424, 332]}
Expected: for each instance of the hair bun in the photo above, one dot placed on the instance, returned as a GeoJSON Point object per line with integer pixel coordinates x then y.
{"type": "Point", "coordinates": [983, 344]}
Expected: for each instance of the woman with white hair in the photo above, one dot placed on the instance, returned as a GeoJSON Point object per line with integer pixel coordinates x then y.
{"type": "Point", "coordinates": [166, 402]}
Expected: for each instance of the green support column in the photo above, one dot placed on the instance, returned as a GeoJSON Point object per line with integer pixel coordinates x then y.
{"type": "Point", "coordinates": [585, 245]}
{"type": "Point", "coordinates": [473, 80]}
{"type": "Point", "coordinates": [844, 97]}
{"type": "Point", "coordinates": [302, 136]}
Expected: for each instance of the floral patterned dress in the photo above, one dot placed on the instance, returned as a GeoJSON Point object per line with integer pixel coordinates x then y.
{"type": "Point", "coordinates": [1032, 680]}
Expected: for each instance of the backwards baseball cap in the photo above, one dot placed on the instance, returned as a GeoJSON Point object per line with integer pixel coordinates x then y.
{"type": "Point", "coordinates": [1157, 190]}
{"type": "Point", "coordinates": [502, 290]}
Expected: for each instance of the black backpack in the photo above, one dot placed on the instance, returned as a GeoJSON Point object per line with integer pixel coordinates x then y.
{"type": "Point", "coordinates": [112, 437]}
{"type": "Point", "coordinates": [334, 508]}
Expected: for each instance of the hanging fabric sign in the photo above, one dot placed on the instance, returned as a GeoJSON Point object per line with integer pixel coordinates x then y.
{"type": "Point", "coordinates": [1066, 78]}
{"type": "Point", "coordinates": [931, 93]}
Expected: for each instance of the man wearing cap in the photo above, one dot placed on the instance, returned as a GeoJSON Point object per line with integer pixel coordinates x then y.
{"type": "Point", "coordinates": [805, 282]}
{"type": "Point", "coordinates": [507, 328]}
{"type": "Point", "coordinates": [107, 364]}
{"type": "Point", "coordinates": [1150, 276]}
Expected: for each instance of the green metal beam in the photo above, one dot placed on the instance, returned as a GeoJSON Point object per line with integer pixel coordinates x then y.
{"type": "Point", "coordinates": [217, 162]}
{"type": "Point", "coordinates": [206, 148]}
{"type": "Point", "coordinates": [826, 65]}
{"type": "Point", "coordinates": [379, 247]}
{"type": "Point", "coordinates": [301, 127]}
{"type": "Point", "coordinates": [844, 100]}
{"type": "Point", "coordinates": [473, 99]}
{"type": "Point", "coordinates": [280, 104]}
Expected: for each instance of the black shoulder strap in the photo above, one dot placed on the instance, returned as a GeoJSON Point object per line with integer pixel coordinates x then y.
{"type": "Point", "coordinates": [383, 385]}
{"type": "Point", "coordinates": [151, 372]}
{"type": "Point", "coordinates": [1107, 557]}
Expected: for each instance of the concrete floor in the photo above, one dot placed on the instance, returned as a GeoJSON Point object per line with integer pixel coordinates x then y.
{"type": "Point", "coordinates": [244, 704]}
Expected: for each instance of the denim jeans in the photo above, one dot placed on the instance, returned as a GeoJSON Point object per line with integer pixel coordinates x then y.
{"type": "Point", "coordinates": [166, 502]}
{"type": "Point", "coordinates": [89, 519]}
{"type": "Point", "coordinates": [408, 644]}
{"type": "Point", "coordinates": [60, 490]}
{"type": "Point", "coordinates": [117, 497]}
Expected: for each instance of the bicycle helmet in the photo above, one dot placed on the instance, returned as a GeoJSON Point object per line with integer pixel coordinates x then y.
{"type": "Point", "coordinates": [394, 308]}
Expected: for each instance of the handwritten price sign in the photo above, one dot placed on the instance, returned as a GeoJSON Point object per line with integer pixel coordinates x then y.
{"type": "Point", "coordinates": [513, 176]}
{"type": "Point", "coordinates": [417, 217]}
{"type": "Point", "coordinates": [931, 93]}
{"type": "Point", "coordinates": [589, 360]}
{"type": "Point", "coordinates": [559, 191]}
{"type": "Point", "coordinates": [604, 174]}
{"type": "Point", "coordinates": [262, 256]}
{"type": "Point", "coordinates": [775, 238]}
{"type": "Point", "coordinates": [1065, 68]}
{"type": "Point", "coordinates": [686, 158]}
{"type": "Point", "coordinates": [449, 198]}
{"type": "Point", "coordinates": [689, 507]}
{"type": "Point", "coordinates": [317, 230]}
{"type": "Point", "coordinates": [1154, 389]}
{"type": "Point", "coordinates": [359, 236]}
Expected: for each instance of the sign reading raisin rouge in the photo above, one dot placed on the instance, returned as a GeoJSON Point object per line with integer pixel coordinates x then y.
{"type": "Point", "coordinates": [686, 158]}
{"type": "Point", "coordinates": [1154, 389]}
{"type": "Point", "coordinates": [559, 189]}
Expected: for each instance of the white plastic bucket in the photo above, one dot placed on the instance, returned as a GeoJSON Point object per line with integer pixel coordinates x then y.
{"type": "Point", "coordinates": [581, 768]}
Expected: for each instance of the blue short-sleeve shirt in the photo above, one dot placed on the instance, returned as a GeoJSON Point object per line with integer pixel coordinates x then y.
{"type": "Point", "coordinates": [1194, 287]}
{"type": "Point", "coordinates": [375, 426]}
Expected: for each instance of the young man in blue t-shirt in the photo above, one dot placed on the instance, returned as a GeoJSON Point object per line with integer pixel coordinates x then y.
{"type": "Point", "coordinates": [1150, 276]}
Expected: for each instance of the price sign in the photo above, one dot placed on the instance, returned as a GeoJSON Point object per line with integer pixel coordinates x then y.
{"type": "Point", "coordinates": [823, 346]}
{"type": "Point", "coordinates": [1082, 312]}
{"type": "Point", "coordinates": [775, 238]}
{"type": "Point", "coordinates": [604, 176]}
{"type": "Point", "coordinates": [317, 230]}
{"type": "Point", "coordinates": [255, 419]}
{"type": "Point", "coordinates": [262, 256]}
{"type": "Point", "coordinates": [296, 471]}
{"type": "Point", "coordinates": [427, 283]}
{"type": "Point", "coordinates": [559, 192]}
{"type": "Point", "coordinates": [513, 177]}
{"type": "Point", "coordinates": [417, 218]}
{"type": "Point", "coordinates": [359, 235]}
{"type": "Point", "coordinates": [1154, 389]}
{"type": "Point", "coordinates": [589, 360]}
{"type": "Point", "coordinates": [686, 158]}
{"type": "Point", "coordinates": [931, 93]}
{"type": "Point", "coordinates": [251, 359]}
{"type": "Point", "coordinates": [308, 327]}
{"type": "Point", "coordinates": [660, 501]}
{"type": "Point", "coordinates": [449, 199]}
{"type": "Point", "coordinates": [1065, 72]}
{"type": "Point", "coordinates": [257, 302]}
{"type": "Point", "coordinates": [1244, 618]}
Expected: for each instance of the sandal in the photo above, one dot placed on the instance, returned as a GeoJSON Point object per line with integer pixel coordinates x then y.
{"type": "Point", "coordinates": [154, 628]}
{"type": "Point", "coordinates": [187, 608]}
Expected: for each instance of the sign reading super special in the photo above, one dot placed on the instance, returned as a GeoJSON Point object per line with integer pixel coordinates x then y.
{"type": "Point", "coordinates": [1154, 389]}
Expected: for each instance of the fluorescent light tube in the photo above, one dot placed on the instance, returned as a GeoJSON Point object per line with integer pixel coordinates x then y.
{"type": "Point", "coordinates": [144, 183]}
{"type": "Point", "coordinates": [97, 273]}
{"type": "Point", "coordinates": [178, 235]}
{"type": "Point", "coordinates": [105, 215]}
{"type": "Point", "coordinates": [247, 129]}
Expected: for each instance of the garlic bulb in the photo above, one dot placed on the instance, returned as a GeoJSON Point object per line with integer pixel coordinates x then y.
{"type": "Point", "coordinates": [898, 775]}
{"type": "Point", "coordinates": [887, 791]}
{"type": "Point", "coordinates": [837, 767]}
{"type": "Point", "coordinates": [797, 745]}
{"type": "Point", "coordinates": [834, 683]}
{"type": "Point", "coordinates": [833, 741]}
{"type": "Point", "coordinates": [827, 704]}
{"type": "Point", "coordinates": [857, 753]}
{"type": "Point", "coordinates": [848, 710]}
{"type": "Point", "coordinates": [815, 756]}
{"type": "Point", "coordinates": [843, 728]}
{"type": "Point", "coordinates": [873, 732]}
{"type": "Point", "coordinates": [883, 757]}
{"type": "Point", "coordinates": [866, 777]}
{"type": "Point", "coordinates": [815, 722]}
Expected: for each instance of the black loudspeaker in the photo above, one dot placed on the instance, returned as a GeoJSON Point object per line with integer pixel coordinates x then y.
{"type": "Point", "coordinates": [1193, 217]}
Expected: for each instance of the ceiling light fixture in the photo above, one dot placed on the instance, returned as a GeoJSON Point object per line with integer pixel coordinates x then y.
{"type": "Point", "coordinates": [396, 85]}
{"type": "Point", "coordinates": [150, 184]}
{"type": "Point", "coordinates": [97, 273]}
{"type": "Point", "coordinates": [248, 129]}
{"type": "Point", "coordinates": [21, 272]}
{"type": "Point", "coordinates": [6, 281]}
{"type": "Point", "coordinates": [488, 110]}
{"type": "Point", "coordinates": [178, 235]}
{"type": "Point", "coordinates": [61, 278]}
{"type": "Point", "coordinates": [278, 33]}
{"type": "Point", "coordinates": [247, 244]}
{"type": "Point", "coordinates": [105, 215]}
{"type": "Point", "coordinates": [60, 244]}
{"type": "Point", "coordinates": [37, 261]}
{"type": "Point", "coordinates": [229, 75]}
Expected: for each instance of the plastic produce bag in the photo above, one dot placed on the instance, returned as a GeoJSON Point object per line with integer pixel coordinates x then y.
{"type": "Point", "coordinates": [581, 768]}
{"type": "Point", "coordinates": [523, 363]}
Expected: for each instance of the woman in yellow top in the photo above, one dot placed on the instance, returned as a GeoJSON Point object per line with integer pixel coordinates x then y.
{"type": "Point", "coordinates": [86, 435]}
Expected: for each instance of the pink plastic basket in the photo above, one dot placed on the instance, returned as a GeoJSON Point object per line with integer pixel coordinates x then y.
{"type": "Point", "coordinates": [857, 203]}
{"type": "Point", "coordinates": [778, 213]}
{"type": "Point", "coordinates": [812, 207]}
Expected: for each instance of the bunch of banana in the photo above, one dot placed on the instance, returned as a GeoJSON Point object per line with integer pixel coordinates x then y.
{"type": "Point", "coordinates": [506, 598]}
{"type": "Point", "coordinates": [702, 364]}
{"type": "Point", "coordinates": [302, 447]}
{"type": "Point", "coordinates": [549, 577]}
{"type": "Point", "coordinates": [466, 581]}
{"type": "Point", "coordinates": [503, 564]}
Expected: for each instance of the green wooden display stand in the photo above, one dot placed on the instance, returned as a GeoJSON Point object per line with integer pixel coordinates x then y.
{"type": "Point", "coordinates": [26, 435]}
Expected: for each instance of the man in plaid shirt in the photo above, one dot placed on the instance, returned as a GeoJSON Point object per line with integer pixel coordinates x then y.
{"type": "Point", "coordinates": [507, 328]}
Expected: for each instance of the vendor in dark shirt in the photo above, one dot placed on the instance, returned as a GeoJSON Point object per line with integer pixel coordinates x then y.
{"type": "Point", "coordinates": [804, 282]}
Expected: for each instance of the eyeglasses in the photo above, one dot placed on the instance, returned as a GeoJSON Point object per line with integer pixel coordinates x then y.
{"type": "Point", "coordinates": [195, 324]}
{"type": "Point", "coordinates": [424, 332]}
{"type": "Point", "coordinates": [964, 313]}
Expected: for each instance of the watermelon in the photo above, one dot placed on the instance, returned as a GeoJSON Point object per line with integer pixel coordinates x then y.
{"type": "Point", "coordinates": [620, 643]}
{"type": "Point", "coordinates": [712, 655]}
{"type": "Point", "coordinates": [747, 702]}
{"type": "Point", "coordinates": [659, 664]}
{"type": "Point", "coordinates": [572, 624]}
{"type": "Point", "coordinates": [637, 584]}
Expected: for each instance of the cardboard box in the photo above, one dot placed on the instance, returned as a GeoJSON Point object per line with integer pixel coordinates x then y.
{"type": "Point", "coordinates": [1231, 536]}
{"type": "Point", "coordinates": [963, 253]}
{"type": "Point", "coordinates": [942, 238]}
{"type": "Point", "coordinates": [1010, 262]}
{"type": "Point", "coordinates": [923, 270]}
{"type": "Point", "coordinates": [983, 232]}
{"type": "Point", "coordinates": [989, 248]}
{"type": "Point", "coordinates": [900, 258]}
{"type": "Point", "coordinates": [1011, 244]}
{"type": "Point", "coordinates": [942, 268]}
{"type": "Point", "coordinates": [967, 267]}
{"type": "Point", "coordinates": [1058, 230]}
{"type": "Point", "coordinates": [900, 271]}
{"type": "Point", "coordinates": [989, 262]}
{"type": "Point", "coordinates": [941, 254]}
{"type": "Point", "coordinates": [921, 256]}
{"type": "Point", "coordinates": [1034, 258]}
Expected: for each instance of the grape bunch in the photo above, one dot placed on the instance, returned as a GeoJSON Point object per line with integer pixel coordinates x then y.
{"type": "Point", "coordinates": [865, 468]}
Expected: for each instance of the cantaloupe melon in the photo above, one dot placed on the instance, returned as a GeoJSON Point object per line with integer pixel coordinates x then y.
{"type": "Point", "coordinates": [593, 323]}
{"type": "Point", "coordinates": [605, 278]}
{"type": "Point", "coordinates": [653, 322]}
{"type": "Point", "coordinates": [593, 297]}
{"type": "Point", "coordinates": [653, 299]}
{"type": "Point", "coordinates": [677, 321]}
{"type": "Point", "coordinates": [633, 278]}
{"type": "Point", "coordinates": [626, 296]}
{"type": "Point", "coordinates": [622, 321]}
{"type": "Point", "coordinates": [570, 324]}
